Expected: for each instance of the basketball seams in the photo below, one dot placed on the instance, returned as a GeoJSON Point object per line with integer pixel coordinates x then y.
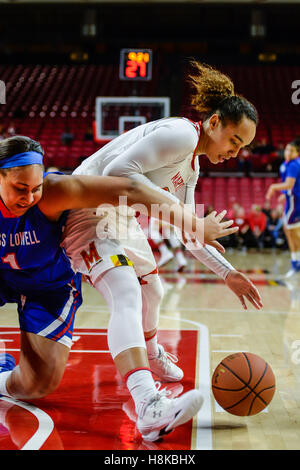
{"type": "Point", "coordinates": [257, 395]}
{"type": "Point", "coordinates": [251, 406]}
{"type": "Point", "coordinates": [237, 377]}
{"type": "Point", "coordinates": [238, 402]}
{"type": "Point", "coordinates": [252, 389]}
{"type": "Point", "coordinates": [246, 385]}
{"type": "Point", "coordinates": [229, 389]}
{"type": "Point", "coordinates": [263, 374]}
{"type": "Point", "coordinates": [249, 366]}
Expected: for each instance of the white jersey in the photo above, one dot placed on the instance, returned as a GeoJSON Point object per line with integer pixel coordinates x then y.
{"type": "Point", "coordinates": [161, 152]}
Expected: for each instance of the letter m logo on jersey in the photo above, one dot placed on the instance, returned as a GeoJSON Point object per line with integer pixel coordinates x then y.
{"type": "Point", "coordinates": [92, 257]}
{"type": "Point", "coordinates": [177, 181]}
{"type": "Point", "coordinates": [2, 92]}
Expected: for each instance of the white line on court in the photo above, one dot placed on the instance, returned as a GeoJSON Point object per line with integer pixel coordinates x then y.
{"type": "Point", "coordinates": [213, 335]}
{"type": "Point", "coordinates": [90, 351]}
{"type": "Point", "coordinates": [45, 427]}
{"type": "Point", "coordinates": [10, 332]}
{"type": "Point", "coordinates": [10, 349]}
{"type": "Point", "coordinates": [227, 351]}
{"type": "Point", "coordinates": [204, 416]}
{"type": "Point", "coordinates": [103, 309]}
{"type": "Point", "coordinates": [79, 333]}
{"type": "Point", "coordinates": [71, 350]}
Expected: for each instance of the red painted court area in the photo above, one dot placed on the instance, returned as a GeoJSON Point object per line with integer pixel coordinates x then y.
{"type": "Point", "coordinates": [92, 408]}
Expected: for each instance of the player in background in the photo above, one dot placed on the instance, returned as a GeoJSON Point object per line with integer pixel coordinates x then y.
{"type": "Point", "coordinates": [290, 187]}
{"type": "Point", "coordinates": [158, 232]}
{"type": "Point", "coordinates": [164, 156]}
{"type": "Point", "coordinates": [36, 274]}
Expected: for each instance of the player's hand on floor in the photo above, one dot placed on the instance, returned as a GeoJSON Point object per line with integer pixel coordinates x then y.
{"type": "Point", "coordinates": [244, 289]}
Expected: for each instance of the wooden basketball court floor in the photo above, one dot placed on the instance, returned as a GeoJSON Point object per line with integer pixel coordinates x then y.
{"type": "Point", "coordinates": [201, 322]}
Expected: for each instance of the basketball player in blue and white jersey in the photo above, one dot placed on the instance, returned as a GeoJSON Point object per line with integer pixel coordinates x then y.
{"type": "Point", "coordinates": [290, 187]}
{"type": "Point", "coordinates": [36, 274]}
{"type": "Point", "coordinates": [164, 156]}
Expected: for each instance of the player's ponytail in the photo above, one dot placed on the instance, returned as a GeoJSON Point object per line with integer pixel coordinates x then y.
{"type": "Point", "coordinates": [213, 92]}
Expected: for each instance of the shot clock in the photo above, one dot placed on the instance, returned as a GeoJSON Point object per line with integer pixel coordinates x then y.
{"type": "Point", "coordinates": [136, 64]}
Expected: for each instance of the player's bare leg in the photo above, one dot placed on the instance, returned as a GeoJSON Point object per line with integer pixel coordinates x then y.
{"type": "Point", "coordinates": [293, 239]}
{"type": "Point", "coordinates": [162, 363]}
{"type": "Point", "coordinates": [127, 345]}
{"type": "Point", "coordinates": [41, 367]}
{"type": "Point", "coordinates": [133, 358]}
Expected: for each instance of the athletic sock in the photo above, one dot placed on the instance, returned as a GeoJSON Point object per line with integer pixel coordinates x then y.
{"type": "Point", "coordinates": [152, 346]}
{"type": "Point", "coordinates": [295, 260]}
{"type": "Point", "coordinates": [141, 386]}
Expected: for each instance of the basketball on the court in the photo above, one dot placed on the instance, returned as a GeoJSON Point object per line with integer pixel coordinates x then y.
{"type": "Point", "coordinates": [243, 384]}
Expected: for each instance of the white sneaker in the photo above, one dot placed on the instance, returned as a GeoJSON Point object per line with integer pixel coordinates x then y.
{"type": "Point", "coordinates": [128, 407]}
{"type": "Point", "coordinates": [164, 366]}
{"type": "Point", "coordinates": [181, 261]}
{"type": "Point", "coordinates": [165, 258]}
{"type": "Point", "coordinates": [161, 414]}
{"type": "Point", "coordinates": [292, 272]}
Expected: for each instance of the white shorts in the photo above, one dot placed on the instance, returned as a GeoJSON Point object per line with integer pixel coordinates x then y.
{"type": "Point", "coordinates": [125, 243]}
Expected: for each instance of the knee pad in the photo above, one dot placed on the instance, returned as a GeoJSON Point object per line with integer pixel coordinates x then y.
{"type": "Point", "coordinates": [152, 295]}
{"type": "Point", "coordinates": [122, 292]}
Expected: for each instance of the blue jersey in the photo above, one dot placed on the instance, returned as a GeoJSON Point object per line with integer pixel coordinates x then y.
{"type": "Point", "coordinates": [291, 169]}
{"type": "Point", "coordinates": [31, 258]}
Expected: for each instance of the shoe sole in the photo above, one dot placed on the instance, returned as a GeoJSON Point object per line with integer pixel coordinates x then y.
{"type": "Point", "coordinates": [167, 378]}
{"type": "Point", "coordinates": [187, 406]}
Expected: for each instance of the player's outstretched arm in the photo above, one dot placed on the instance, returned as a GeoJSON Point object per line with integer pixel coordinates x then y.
{"type": "Point", "coordinates": [64, 192]}
{"type": "Point", "coordinates": [244, 289]}
{"type": "Point", "coordinates": [286, 186]}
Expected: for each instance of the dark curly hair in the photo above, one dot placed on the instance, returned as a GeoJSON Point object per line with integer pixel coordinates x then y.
{"type": "Point", "coordinates": [213, 92]}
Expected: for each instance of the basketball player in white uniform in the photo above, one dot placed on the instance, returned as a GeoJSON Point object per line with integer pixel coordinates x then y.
{"type": "Point", "coordinates": [163, 155]}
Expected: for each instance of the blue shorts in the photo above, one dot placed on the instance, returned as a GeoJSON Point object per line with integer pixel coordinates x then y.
{"type": "Point", "coordinates": [48, 313]}
{"type": "Point", "coordinates": [292, 211]}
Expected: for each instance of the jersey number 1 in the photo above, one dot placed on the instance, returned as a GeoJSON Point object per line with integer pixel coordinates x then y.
{"type": "Point", "coordinates": [11, 259]}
